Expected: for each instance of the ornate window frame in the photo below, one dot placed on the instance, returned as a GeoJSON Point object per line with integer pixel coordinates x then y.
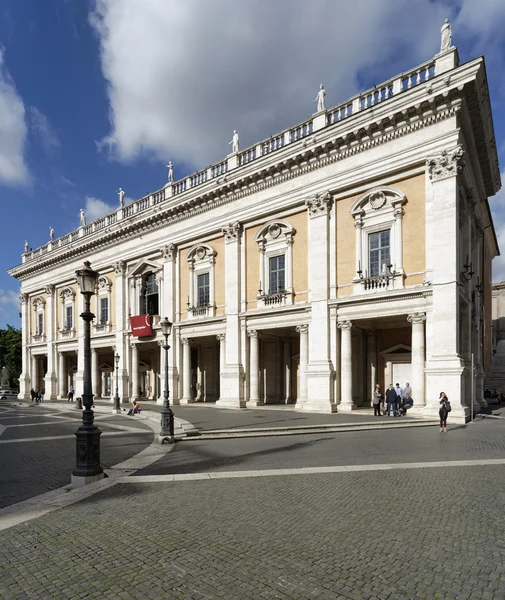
{"type": "Point", "coordinates": [136, 281]}
{"type": "Point", "coordinates": [67, 298]}
{"type": "Point", "coordinates": [201, 259]}
{"type": "Point", "coordinates": [103, 290]}
{"type": "Point", "coordinates": [379, 209]}
{"type": "Point", "coordinates": [275, 238]}
{"type": "Point", "coordinates": [39, 305]}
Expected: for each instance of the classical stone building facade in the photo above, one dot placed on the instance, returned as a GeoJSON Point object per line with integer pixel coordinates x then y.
{"type": "Point", "coordinates": [351, 249]}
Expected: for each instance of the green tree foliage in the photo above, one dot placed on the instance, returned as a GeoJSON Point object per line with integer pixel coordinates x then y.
{"type": "Point", "coordinates": [10, 353]}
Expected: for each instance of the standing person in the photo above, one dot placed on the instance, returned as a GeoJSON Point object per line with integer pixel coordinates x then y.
{"type": "Point", "coordinates": [32, 394]}
{"type": "Point", "coordinates": [377, 399]}
{"type": "Point", "coordinates": [445, 409]}
{"type": "Point", "coordinates": [391, 399]}
{"type": "Point", "coordinates": [71, 391]}
{"type": "Point", "coordinates": [407, 390]}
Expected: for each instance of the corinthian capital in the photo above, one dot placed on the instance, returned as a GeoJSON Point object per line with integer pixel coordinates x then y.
{"type": "Point", "coordinates": [447, 164]}
{"type": "Point", "coordinates": [320, 204]}
{"type": "Point", "coordinates": [232, 231]}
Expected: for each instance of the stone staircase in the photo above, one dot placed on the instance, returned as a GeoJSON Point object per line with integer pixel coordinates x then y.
{"type": "Point", "coordinates": [495, 378]}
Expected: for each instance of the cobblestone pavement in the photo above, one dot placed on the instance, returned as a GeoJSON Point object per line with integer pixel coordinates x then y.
{"type": "Point", "coordinates": [478, 440]}
{"type": "Point", "coordinates": [426, 533]}
{"type": "Point", "coordinates": [35, 466]}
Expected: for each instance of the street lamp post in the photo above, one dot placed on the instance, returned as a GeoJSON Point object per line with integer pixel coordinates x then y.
{"type": "Point", "coordinates": [87, 468]}
{"type": "Point", "coordinates": [167, 415]}
{"type": "Point", "coordinates": [117, 400]}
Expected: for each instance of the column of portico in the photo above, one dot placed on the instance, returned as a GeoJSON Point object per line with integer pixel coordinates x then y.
{"type": "Point", "coordinates": [135, 393]}
{"type": "Point", "coordinates": [320, 397]}
{"type": "Point", "coordinates": [287, 370]}
{"type": "Point", "coordinates": [371, 348]}
{"type": "Point", "coordinates": [444, 365]}
{"type": "Point", "coordinates": [35, 372]}
{"type": "Point", "coordinates": [24, 378]}
{"type": "Point", "coordinates": [121, 300]}
{"type": "Point", "coordinates": [221, 338]}
{"type": "Point", "coordinates": [95, 374]}
{"type": "Point", "coordinates": [346, 401]}
{"type": "Point", "coordinates": [418, 358]}
{"type": "Point", "coordinates": [254, 369]}
{"type": "Point", "coordinates": [187, 396]}
{"type": "Point", "coordinates": [50, 326]}
{"type": "Point", "coordinates": [303, 330]}
{"type": "Point", "coordinates": [232, 377]}
{"type": "Point", "coordinates": [62, 376]}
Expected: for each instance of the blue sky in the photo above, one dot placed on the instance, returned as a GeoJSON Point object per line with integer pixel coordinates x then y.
{"type": "Point", "coordinates": [94, 95]}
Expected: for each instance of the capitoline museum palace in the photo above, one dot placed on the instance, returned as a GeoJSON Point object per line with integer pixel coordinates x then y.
{"type": "Point", "coordinates": [352, 249]}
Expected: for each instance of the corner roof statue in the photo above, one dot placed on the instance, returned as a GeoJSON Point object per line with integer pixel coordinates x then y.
{"type": "Point", "coordinates": [26, 246]}
{"type": "Point", "coordinates": [82, 216]}
{"type": "Point", "coordinates": [320, 98]}
{"type": "Point", "coordinates": [121, 197]}
{"type": "Point", "coordinates": [234, 142]}
{"type": "Point", "coordinates": [170, 168]}
{"type": "Point", "coordinates": [51, 234]}
{"type": "Point", "coordinates": [446, 33]}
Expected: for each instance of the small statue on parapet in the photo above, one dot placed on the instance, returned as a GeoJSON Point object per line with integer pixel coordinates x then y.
{"type": "Point", "coordinates": [170, 168]}
{"type": "Point", "coordinates": [234, 142]}
{"type": "Point", "coordinates": [320, 98]}
{"type": "Point", "coordinates": [446, 35]}
{"type": "Point", "coordinates": [26, 246]}
{"type": "Point", "coordinates": [82, 217]}
{"type": "Point", "coordinates": [51, 234]}
{"type": "Point", "coordinates": [121, 197]}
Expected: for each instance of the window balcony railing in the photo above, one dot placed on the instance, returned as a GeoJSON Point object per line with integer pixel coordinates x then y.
{"type": "Point", "coordinates": [67, 332]}
{"type": "Point", "coordinates": [385, 280]}
{"type": "Point", "coordinates": [273, 298]}
{"type": "Point", "coordinates": [199, 311]}
{"type": "Point", "coordinates": [38, 337]}
{"type": "Point", "coordinates": [102, 327]}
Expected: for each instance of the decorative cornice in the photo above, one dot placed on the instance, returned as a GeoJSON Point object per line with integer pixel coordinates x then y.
{"type": "Point", "coordinates": [308, 160]}
{"type": "Point", "coordinates": [320, 204]}
{"type": "Point", "coordinates": [447, 164]}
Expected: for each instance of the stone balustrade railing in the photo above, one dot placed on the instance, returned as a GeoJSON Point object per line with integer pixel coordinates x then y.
{"type": "Point", "coordinates": [358, 103]}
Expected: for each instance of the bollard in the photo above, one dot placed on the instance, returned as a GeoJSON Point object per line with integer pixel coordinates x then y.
{"type": "Point", "coordinates": [78, 403]}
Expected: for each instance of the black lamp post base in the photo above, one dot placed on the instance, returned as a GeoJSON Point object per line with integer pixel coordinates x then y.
{"type": "Point", "coordinates": [87, 451]}
{"type": "Point", "coordinates": [78, 481]}
{"type": "Point", "coordinates": [167, 426]}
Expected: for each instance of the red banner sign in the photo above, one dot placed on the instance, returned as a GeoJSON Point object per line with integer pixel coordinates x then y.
{"type": "Point", "coordinates": [141, 325]}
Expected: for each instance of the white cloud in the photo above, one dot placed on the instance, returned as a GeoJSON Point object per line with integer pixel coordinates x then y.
{"type": "Point", "coordinates": [497, 204]}
{"type": "Point", "coordinates": [43, 129]}
{"type": "Point", "coordinates": [182, 75]}
{"type": "Point", "coordinates": [96, 209]}
{"type": "Point", "coordinates": [13, 131]}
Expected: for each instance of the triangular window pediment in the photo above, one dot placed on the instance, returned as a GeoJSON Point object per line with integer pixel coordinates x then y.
{"type": "Point", "coordinates": [142, 267]}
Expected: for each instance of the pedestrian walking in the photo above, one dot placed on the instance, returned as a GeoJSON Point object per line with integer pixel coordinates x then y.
{"type": "Point", "coordinates": [33, 394]}
{"type": "Point", "coordinates": [71, 391]}
{"type": "Point", "coordinates": [445, 409]}
{"type": "Point", "coordinates": [377, 398]}
{"type": "Point", "coordinates": [391, 399]}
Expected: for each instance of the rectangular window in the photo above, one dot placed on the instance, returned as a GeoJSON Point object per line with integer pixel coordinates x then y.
{"type": "Point", "coordinates": [203, 289]}
{"type": "Point", "coordinates": [149, 298]}
{"type": "Point", "coordinates": [104, 311]}
{"type": "Point", "coordinates": [378, 252]}
{"type": "Point", "coordinates": [69, 317]}
{"type": "Point", "coordinates": [40, 323]}
{"type": "Point", "coordinates": [277, 273]}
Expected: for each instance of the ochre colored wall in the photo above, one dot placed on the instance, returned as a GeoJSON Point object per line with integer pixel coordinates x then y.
{"type": "Point", "coordinates": [346, 245]}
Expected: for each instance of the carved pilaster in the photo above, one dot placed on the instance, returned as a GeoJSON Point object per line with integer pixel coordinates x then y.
{"type": "Point", "coordinates": [232, 232]}
{"type": "Point", "coordinates": [23, 298]}
{"type": "Point", "coordinates": [447, 164]}
{"type": "Point", "coordinates": [320, 204]}
{"type": "Point", "coordinates": [169, 252]}
{"type": "Point", "coordinates": [49, 289]}
{"type": "Point", "coordinates": [120, 267]}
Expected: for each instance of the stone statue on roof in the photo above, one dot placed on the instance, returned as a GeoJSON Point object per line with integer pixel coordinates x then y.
{"type": "Point", "coordinates": [170, 168]}
{"type": "Point", "coordinates": [121, 197]}
{"type": "Point", "coordinates": [26, 246]}
{"type": "Point", "coordinates": [82, 216]}
{"type": "Point", "coordinates": [51, 234]}
{"type": "Point", "coordinates": [320, 98]}
{"type": "Point", "coordinates": [446, 35]}
{"type": "Point", "coordinates": [234, 142]}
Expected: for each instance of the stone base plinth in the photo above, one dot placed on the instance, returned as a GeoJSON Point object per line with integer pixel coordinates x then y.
{"type": "Point", "coordinates": [320, 407]}
{"type": "Point", "coordinates": [231, 403]}
{"type": "Point", "coordinates": [78, 481]}
{"type": "Point", "coordinates": [345, 407]}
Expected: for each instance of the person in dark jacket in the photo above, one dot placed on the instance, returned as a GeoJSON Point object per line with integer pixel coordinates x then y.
{"type": "Point", "coordinates": [391, 398]}
{"type": "Point", "coordinates": [445, 409]}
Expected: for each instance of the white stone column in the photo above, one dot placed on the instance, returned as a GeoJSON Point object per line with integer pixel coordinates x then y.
{"type": "Point", "coordinates": [287, 370]}
{"type": "Point", "coordinates": [397, 259]}
{"type": "Point", "coordinates": [371, 348]}
{"type": "Point", "coordinates": [303, 330]}
{"type": "Point", "coordinates": [320, 397]}
{"type": "Point", "coordinates": [338, 365]}
{"type": "Point", "coordinates": [187, 396]}
{"type": "Point", "coordinates": [232, 378]}
{"type": "Point", "coordinates": [24, 378]}
{"type": "Point", "coordinates": [134, 375]}
{"type": "Point", "coordinates": [221, 337]}
{"type": "Point", "coordinates": [50, 328]}
{"type": "Point", "coordinates": [254, 369]}
{"type": "Point", "coordinates": [95, 375]}
{"type": "Point", "coordinates": [62, 376]}
{"type": "Point", "coordinates": [346, 401]}
{"type": "Point", "coordinates": [444, 365]}
{"type": "Point", "coordinates": [35, 372]}
{"type": "Point", "coordinates": [418, 358]}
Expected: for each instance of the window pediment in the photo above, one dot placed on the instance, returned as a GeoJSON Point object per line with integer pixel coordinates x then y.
{"type": "Point", "coordinates": [67, 294]}
{"type": "Point", "coordinates": [201, 253]}
{"type": "Point", "coordinates": [104, 284]}
{"type": "Point", "coordinates": [144, 266]}
{"type": "Point", "coordinates": [377, 200]}
{"type": "Point", "coordinates": [274, 232]}
{"type": "Point", "coordinates": [39, 302]}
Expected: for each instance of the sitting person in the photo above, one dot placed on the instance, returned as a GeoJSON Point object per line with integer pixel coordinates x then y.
{"type": "Point", "coordinates": [407, 403]}
{"type": "Point", "coordinates": [135, 409]}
